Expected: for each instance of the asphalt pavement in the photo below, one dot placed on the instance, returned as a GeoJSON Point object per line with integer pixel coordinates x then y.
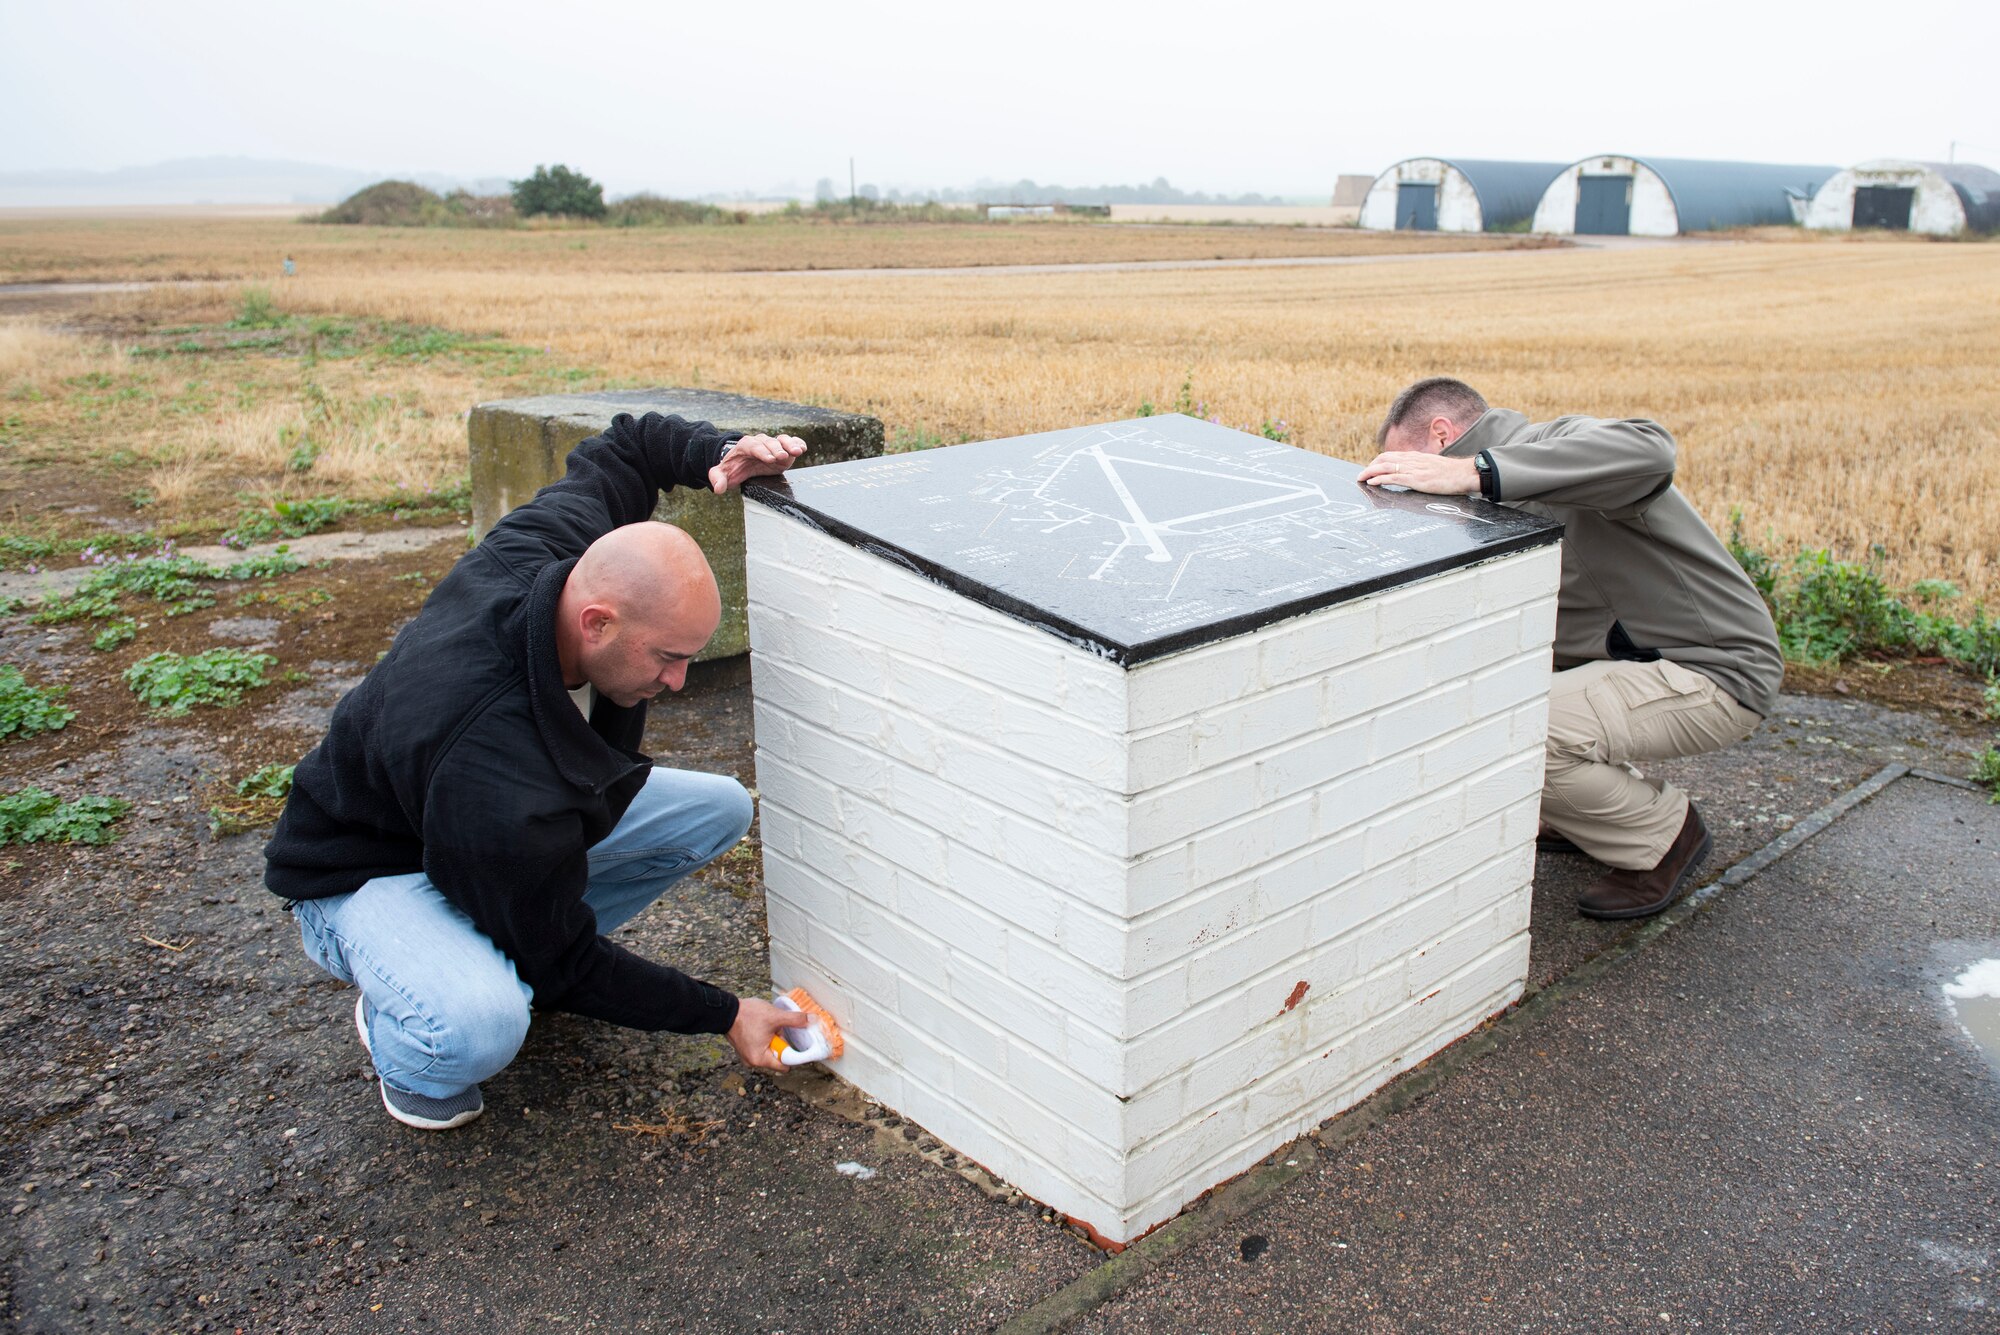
{"type": "Point", "coordinates": [1769, 1119]}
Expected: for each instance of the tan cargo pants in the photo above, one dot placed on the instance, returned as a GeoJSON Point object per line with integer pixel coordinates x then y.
{"type": "Point", "coordinates": [1604, 717]}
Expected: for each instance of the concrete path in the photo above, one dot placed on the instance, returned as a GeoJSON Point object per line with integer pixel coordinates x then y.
{"type": "Point", "coordinates": [1769, 1119]}
{"type": "Point", "coordinates": [33, 587]}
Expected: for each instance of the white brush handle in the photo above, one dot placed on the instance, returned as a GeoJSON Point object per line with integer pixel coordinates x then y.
{"type": "Point", "coordinates": [802, 1045]}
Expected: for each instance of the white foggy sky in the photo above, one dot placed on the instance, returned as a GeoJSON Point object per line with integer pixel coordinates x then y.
{"type": "Point", "coordinates": [1218, 97]}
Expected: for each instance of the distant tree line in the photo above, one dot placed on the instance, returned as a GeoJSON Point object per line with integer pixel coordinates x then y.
{"type": "Point", "coordinates": [562, 193]}
{"type": "Point", "coordinates": [555, 192]}
{"type": "Point", "coordinates": [1025, 191]}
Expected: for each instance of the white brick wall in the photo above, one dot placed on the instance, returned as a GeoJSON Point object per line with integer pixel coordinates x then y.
{"type": "Point", "coordinates": [1118, 933]}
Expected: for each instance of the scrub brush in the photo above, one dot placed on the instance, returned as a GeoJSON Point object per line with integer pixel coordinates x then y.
{"type": "Point", "coordinates": [817, 1040]}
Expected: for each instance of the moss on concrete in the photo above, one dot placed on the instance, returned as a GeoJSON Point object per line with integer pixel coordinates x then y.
{"type": "Point", "coordinates": [518, 446]}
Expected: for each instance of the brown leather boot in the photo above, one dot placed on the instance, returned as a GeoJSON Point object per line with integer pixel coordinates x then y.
{"type": "Point", "coordinates": [1641, 894]}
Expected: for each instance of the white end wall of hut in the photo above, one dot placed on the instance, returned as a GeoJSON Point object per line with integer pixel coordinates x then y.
{"type": "Point", "coordinates": [1653, 211]}
{"type": "Point", "coordinates": [1457, 206]}
{"type": "Point", "coordinates": [1935, 208]}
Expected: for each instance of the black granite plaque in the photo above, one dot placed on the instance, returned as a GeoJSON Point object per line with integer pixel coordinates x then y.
{"type": "Point", "coordinates": [1143, 538]}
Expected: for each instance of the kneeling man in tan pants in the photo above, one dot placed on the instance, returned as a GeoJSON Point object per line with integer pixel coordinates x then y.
{"type": "Point", "coordinates": [1663, 647]}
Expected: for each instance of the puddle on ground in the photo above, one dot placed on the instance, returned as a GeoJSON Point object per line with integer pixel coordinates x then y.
{"type": "Point", "coordinates": [1975, 1000]}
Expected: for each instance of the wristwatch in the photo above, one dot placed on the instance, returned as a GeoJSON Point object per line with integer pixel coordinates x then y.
{"type": "Point", "coordinates": [1489, 478]}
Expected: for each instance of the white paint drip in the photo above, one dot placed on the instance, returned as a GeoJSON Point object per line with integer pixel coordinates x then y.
{"type": "Point", "coordinates": [1958, 1261]}
{"type": "Point", "coordinates": [1974, 998]}
{"type": "Point", "coordinates": [857, 1171]}
{"type": "Point", "coordinates": [1981, 980]}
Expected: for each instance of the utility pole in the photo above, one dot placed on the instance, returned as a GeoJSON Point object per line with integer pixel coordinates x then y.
{"type": "Point", "coordinates": [853, 196]}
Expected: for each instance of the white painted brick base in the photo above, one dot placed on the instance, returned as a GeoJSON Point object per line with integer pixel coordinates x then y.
{"type": "Point", "coordinates": [1116, 934]}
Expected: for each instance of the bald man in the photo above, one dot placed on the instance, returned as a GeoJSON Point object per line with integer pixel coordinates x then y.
{"type": "Point", "coordinates": [478, 819]}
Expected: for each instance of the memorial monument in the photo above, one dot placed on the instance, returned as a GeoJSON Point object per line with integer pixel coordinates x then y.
{"type": "Point", "coordinates": [517, 447]}
{"type": "Point", "coordinates": [1138, 796]}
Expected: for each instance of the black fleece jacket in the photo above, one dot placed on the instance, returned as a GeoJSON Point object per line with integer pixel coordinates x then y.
{"type": "Point", "coordinates": [461, 755]}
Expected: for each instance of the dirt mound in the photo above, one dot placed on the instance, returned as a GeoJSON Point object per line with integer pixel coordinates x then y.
{"type": "Point", "coordinates": [389, 204]}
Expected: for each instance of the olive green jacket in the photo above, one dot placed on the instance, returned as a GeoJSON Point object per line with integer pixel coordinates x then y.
{"type": "Point", "coordinates": [1643, 577]}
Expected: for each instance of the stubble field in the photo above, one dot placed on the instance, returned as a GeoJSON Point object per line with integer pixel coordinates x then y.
{"type": "Point", "coordinates": [1838, 395]}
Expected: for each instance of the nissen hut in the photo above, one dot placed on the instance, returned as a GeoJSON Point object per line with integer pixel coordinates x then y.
{"type": "Point", "coordinates": [1624, 196]}
{"type": "Point", "coordinates": [1455, 195]}
{"type": "Point", "coordinates": [1935, 198]}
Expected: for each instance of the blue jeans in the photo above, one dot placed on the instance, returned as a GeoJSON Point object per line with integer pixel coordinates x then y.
{"type": "Point", "coordinates": [449, 1010]}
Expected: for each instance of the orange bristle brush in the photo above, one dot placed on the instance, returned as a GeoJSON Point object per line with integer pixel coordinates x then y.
{"type": "Point", "coordinates": [817, 1040]}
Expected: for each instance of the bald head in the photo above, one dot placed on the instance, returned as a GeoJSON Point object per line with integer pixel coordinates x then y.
{"type": "Point", "coordinates": [637, 606]}
{"type": "Point", "coordinates": [647, 571]}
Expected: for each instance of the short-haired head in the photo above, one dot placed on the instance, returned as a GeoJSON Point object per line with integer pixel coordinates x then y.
{"type": "Point", "coordinates": [637, 607]}
{"type": "Point", "coordinates": [1438, 396]}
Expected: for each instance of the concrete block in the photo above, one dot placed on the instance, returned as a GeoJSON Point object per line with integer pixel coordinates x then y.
{"type": "Point", "coordinates": [1112, 929]}
{"type": "Point", "coordinates": [518, 446]}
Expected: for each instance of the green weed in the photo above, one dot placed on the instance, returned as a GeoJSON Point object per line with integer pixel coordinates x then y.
{"type": "Point", "coordinates": [256, 309]}
{"type": "Point", "coordinates": [1828, 610]}
{"type": "Point", "coordinates": [1987, 771]}
{"type": "Point", "coordinates": [1188, 405]}
{"type": "Point", "coordinates": [176, 683]}
{"type": "Point", "coordinates": [285, 600]}
{"type": "Point", "coordinates": [37, 816]}
{"type": "Point", "coordinates": [174, 581]}
{"type": "Point", "coordinates": [260, 796]}
{"type": "Point", "coordinates": [115, 634]}
{"type": "Point", "coordinates": [907, 438]}
{"type": "Point", "coordinates": [32, 550]}
{"type": "Point", "coordinates": [26, 710]}
{"type": "Point", "coordinates": [267, 781]}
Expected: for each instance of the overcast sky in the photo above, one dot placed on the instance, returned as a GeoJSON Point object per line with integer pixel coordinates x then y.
{"type": "Point", "coordinates": [1226, 96]}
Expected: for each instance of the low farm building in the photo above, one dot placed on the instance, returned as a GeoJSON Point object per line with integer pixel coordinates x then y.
{"type": "Point", "coordinates": [1612, 195]}
{"type": "Point", "coordinates": [1455, 195]}
{"type": "Point", "coordinates": [1935, 198]}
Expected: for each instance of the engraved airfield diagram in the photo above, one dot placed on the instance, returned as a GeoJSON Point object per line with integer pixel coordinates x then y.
{"type": "Point", "coordinates": [1148, 536]}
{"type": "Point", "coordinates": [1186, 531]}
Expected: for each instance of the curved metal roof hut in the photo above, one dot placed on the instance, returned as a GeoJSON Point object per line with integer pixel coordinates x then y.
{"type": "Point", "coordinates": [1610, 195]}
{"type": "Point", "coordinates": [1455, 195]}
{"type": "Point", "coordinates": [1936, 198]}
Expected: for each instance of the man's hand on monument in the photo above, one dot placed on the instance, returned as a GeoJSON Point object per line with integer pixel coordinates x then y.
{"type": "Point", "coordinates": [757, 1023]}
{"type": "Point", "coordinates": [1433, 473]}
{"type": "Point", "coordinates": [754, 456]}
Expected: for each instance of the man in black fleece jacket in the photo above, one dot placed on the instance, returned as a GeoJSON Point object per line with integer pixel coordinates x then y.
{"type": "Point", "coordinates": [479, 818]}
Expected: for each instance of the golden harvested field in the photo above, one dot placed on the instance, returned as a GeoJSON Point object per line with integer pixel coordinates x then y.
{"type": "Point", "coordinates": [1839, 395]}
{"type": "Point", "coordinates": [40, 248]}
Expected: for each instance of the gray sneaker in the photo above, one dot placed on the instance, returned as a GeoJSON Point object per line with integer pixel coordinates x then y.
{"type": "Point", "coordinates": [413, 1109]}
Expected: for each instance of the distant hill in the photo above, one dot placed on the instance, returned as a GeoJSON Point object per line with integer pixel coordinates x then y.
{"type": "Point", "coordinates": [217, 180]}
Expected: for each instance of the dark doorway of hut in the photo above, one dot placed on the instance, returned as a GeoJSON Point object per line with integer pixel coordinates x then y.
{"type": "Point", "coordinates": [1416, 208]}
{"type": "Point", "coordinates": [1886, 206]}
{"type": "Point", "coordinates": [1604, 205]}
